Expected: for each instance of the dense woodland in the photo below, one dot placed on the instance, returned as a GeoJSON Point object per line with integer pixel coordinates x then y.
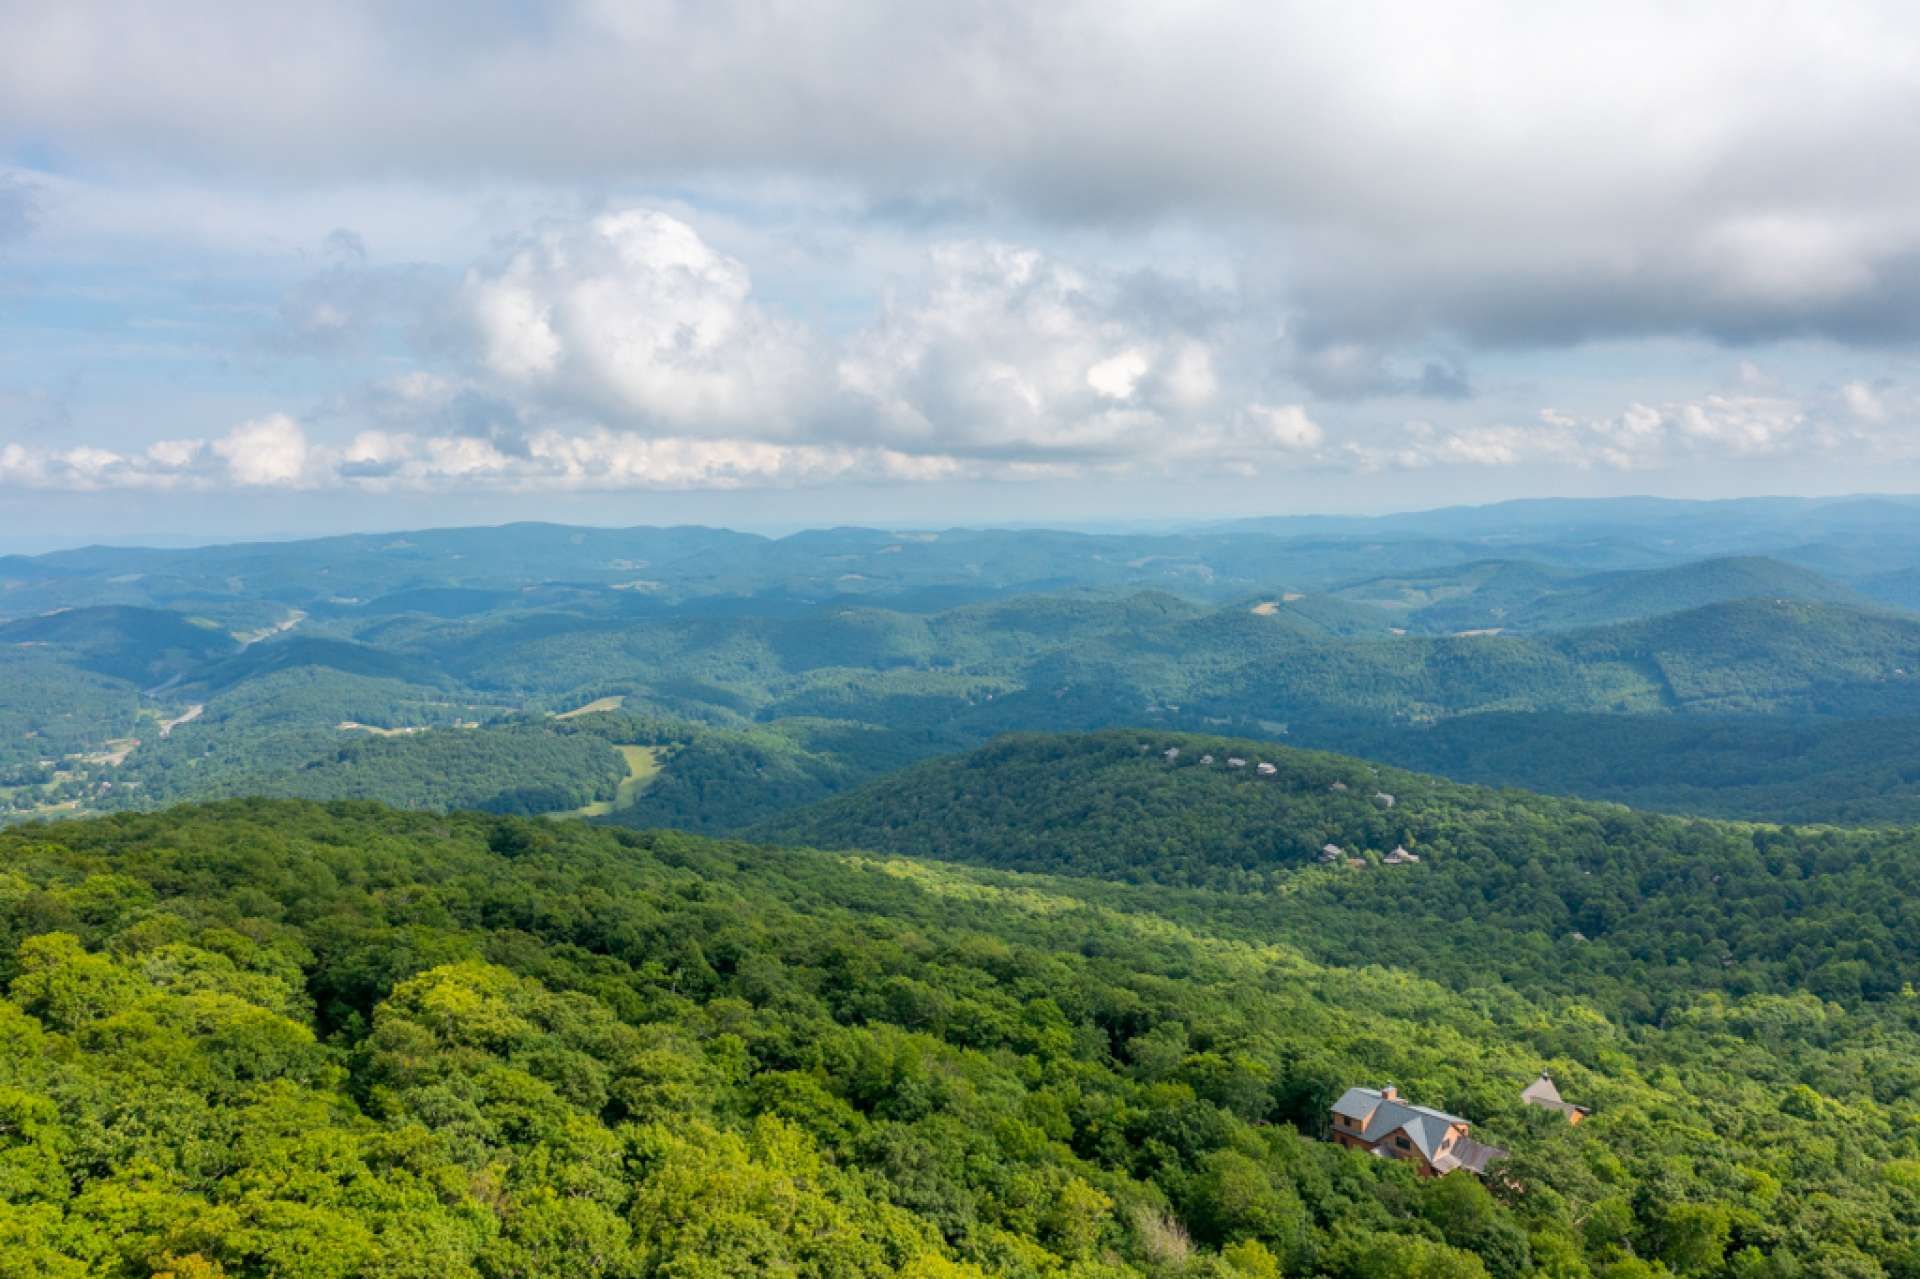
{"type": "Point", "coordinates": [283, 1039]}
{"type": "Point", "coordinates": [1627, 910]}
{"type": "Point", "coordinates": [1783, 768]}
{"type": "Point", "coordinates": [1058, 1004]}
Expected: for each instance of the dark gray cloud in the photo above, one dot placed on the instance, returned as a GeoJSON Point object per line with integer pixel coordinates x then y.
{"type": "Point", "coordinates": [1396, 177]}
{"type": "Point", "coordinates": [1358, 371]}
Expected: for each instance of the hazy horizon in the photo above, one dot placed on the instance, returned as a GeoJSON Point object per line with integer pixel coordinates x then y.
{"type": "Point", "coordinates": [25, 542]}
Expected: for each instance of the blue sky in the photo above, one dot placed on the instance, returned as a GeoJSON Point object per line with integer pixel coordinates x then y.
{"type": "Point", "coordinates": [281, 269]}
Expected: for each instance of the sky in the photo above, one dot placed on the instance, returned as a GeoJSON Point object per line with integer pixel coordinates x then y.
{"type": "Point", "coordinates": [277, 269]}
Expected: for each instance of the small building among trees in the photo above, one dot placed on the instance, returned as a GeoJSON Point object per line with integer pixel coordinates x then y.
{"type": "Point", "coordinates": [1544, 1093]}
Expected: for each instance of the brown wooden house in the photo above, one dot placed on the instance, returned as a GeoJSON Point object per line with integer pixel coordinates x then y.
{"type": "Point", "coordinates": [1386, 1125]}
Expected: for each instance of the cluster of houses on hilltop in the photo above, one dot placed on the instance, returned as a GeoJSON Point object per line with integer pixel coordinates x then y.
{"type": "Point", "coordinates": [1172, 755]}
{"type": "Point", "coordinates": [1384, 1124]}
{"type": "Point", "coordinates": [1333, 854]}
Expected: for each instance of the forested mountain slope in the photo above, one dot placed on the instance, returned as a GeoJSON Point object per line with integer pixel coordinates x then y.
{"type": "Point", "coordinates": [901, 686]}
{"type": "Point", "coordinates": [1587, 900]}
{"type": "Point", "coordinates": [1516, 596]}
{"type": "Point", "coordinates": [141, 645]}
{"type": "Point", "coordinates": [786, 669]}
{"type": "Point", "coordinates": [281, 1039]}
{"type": "Point", "coordinates": [1774, 768]}
{"type": "Point", "coordinates": [1628, 596]}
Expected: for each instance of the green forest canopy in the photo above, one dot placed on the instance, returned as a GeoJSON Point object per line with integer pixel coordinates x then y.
{"type": "Point", "coordinates": [286, 1039]}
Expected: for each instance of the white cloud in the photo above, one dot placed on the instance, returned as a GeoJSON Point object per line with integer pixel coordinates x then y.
{"type": "Point", "coordinates": [175, 455]}
{"type": "Point", "coordinates": [1740, 425]}
{"type": "Point", "coordinates": [624, 351]}
{"type": "Point", "coordinates": [269, 451]}
{"type": "Point", "coordinates": [1116, 377]}
{"type": "Point", "coordinates": [634, 316]}
{"type": "Point", "coordinates": [1254, 439]}
{"type": "Point", "coordinates": [1006, 351]}
{"type": "Point", "coordinates": [1641, 437]}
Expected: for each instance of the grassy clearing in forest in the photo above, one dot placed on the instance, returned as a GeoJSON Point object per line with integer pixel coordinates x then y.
{"type": "Point", "coordinates": [643, 765]}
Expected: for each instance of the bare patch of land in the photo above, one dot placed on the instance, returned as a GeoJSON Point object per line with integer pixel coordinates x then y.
{"type": "Point", "coordinates": [186, 717]}
{"type": "Point", "coordinates": [114, 755]}
{"type": "Point", "coordinates": [354, 726]}
{"type": "Point", "coordinates": [249, 638]}
{"type": "Point", "coordinates": [594, 707]}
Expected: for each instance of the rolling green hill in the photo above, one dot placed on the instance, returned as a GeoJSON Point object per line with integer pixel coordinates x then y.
{"type": "Point", "coordinates": [328, 1042]}
{"type": "Point", "coordinates": [1629, 596]}
{"type": "Point", "coordinates": [1780, 768]}
{"type": "Point", "coordinates": [1544, 894]}
{"type": "Point", "coordinates": [920, 643]}
{"type": "Point", "coordinates": [1505, 595]}
{"type": "Point", "coordinates": [1769, 656]}
{"type": "Point", "coordinates": [907, 685]}
{"type": "Point", "coordinates": [141, 645]}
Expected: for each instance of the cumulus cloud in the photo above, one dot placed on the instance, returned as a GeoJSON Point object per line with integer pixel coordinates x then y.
{"type": "Point", "coordinates": [268, 452]}
{"type": "Point", "coordinates": [633, 316]}
{"type": "Point", "coordinates": [276, 453]}
{"type": "Point", "coordinates": [623, 351]}
{"type": "Point", "coordinates": [632, 323]}
{"type": "Point", "coordinates": [1248, 440]}
{"type": "Point", "coordinates": [1002, 350]}
{"type": "Point", "coordinates": [1711, 429]}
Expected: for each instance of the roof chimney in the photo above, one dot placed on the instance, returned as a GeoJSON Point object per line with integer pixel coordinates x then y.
{"type": "Point", "coordinates": [1390, 1093]}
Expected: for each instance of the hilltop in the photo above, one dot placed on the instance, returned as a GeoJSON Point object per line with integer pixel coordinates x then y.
{"type": "Point", "coordinates": [1558, 896]}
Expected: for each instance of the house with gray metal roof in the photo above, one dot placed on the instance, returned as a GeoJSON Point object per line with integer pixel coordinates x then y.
{"type": "Point", "coordinates": [1544, 1093]}
{"type": "Point", "coordinates": [1387, 1126]}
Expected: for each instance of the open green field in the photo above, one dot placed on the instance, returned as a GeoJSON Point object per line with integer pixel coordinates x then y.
{"type": "Point", "coordinates": [643, 765]}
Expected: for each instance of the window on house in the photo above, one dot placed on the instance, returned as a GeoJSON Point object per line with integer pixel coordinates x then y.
{"type": "Point", "coordinates": [1402, 1143]}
